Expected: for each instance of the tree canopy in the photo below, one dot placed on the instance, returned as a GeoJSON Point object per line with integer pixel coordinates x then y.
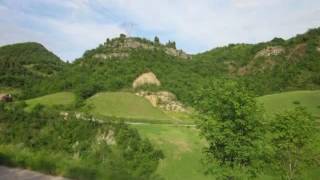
{"type": "Point", "coordinates": [231, 122]}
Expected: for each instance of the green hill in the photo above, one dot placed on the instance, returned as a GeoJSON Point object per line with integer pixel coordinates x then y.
{"type": "Point", "coordinates": [57, 99]}
{"type": "Point", "coordinates": [26, 62]}
{"type": "Point", "coordinates": [265, 68]}
{"type": "Point", "coordinates": [274, 66]}
{"type": "Point", "coordinates": [125, 105]}
{"type": "Point", "coordinates": [275, 103]}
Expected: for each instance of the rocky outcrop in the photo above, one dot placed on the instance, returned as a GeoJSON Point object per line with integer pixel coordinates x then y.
{"type": "Point", "coordinates": [129, 43]}
{"type": "Point", "coordinates": [125, 44]}
{"type": "Point", "coordinates": [298, 51]}
{"type": "Point", "coordinates": [164, 100]}
{"type": "Point", "coordinates": [177, 53]}
{"type": "Point", "coordinates": [318, 49]}
{"type": "Point", "coordinates": [111, 55]}
{"type": "Point", "coordinates": [106, 137]}
{"type": "Point", "coordinates": [146, 79]}
{"type": "Point", "coordinates": [270, 51]}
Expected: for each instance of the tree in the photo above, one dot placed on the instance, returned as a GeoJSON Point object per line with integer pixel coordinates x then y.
{"type": "Point", "coordinates": [156, 40]}
{"type": "Point", "coordinates": [106, 43]}
{"type": "Point", "coordinates": [171, 44]}
{"type": "Point", "coordinates": [230, 121]}
{"type": "Point", "coordinates": [122, 36]}
{"type": "Point", "coordinates": [293, 135]}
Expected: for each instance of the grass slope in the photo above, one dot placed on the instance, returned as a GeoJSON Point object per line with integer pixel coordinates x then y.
{"type": "Point", "coordinates": [182, 149]}
{"type": "Point", "coordinates": [57, 99]}
{"type": "Point", "coordinates": [275, 103]}
{"type": "Point", "coordinates": [125, 105]}
{"type": "Point", "coordinates": [8, 90]}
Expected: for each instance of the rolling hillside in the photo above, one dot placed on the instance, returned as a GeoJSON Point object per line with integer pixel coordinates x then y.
{"type": "Point", "coordinates": [101, 76]}
{"type": "Point", "coordinates": [57, 99]}
{"type": "Point", "coordinates": [181, 145]}
{"type": "Point", "coordinates": [125, 105]}
{"type": "Point", "coordinates": [276, 103]}
{"type": "Point", "coordinates": [265, 68]}
{"type": "Point", "coordinates": [274, 66]}
{"type": "Point", "coordinates": [26, 62]}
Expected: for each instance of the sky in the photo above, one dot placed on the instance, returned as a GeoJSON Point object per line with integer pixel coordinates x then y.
{"type": "Point", "coordinates": [70, 27]}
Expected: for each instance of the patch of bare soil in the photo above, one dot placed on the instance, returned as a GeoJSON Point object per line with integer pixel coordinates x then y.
{"type": "Point", "coordinates": [146, 78]}
{"type": "Point", "coordinates": [298, 51]}
{"type": "Point", "coordinates": [164, 100]}
{"type": "Point", "coordinates": [270, 51]}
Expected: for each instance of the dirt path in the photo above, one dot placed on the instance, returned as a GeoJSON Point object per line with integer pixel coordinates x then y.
{"type": "Point", "coordinates": [139, 123]}
{"type": "Point", "coordinates": [166, 124]}
{"type": "Point", "coordinates": [22, 174]}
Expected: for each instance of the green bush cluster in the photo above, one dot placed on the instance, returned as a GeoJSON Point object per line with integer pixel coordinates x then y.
{"type": "Point", "coordinates": [45, 141]}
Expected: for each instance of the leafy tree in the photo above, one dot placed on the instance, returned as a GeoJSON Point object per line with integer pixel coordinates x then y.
{"type": "Point", "coordinates": [293, 134]}
{"type": "Point", "coordinates": [230, 121]}
{"type": "Point", "coordinates": [156, 40]}
{"type": "Point", "coordinates": [122, 36]}
{"type": "Point", "coordinates": [171, 44]}
{"type": "Point", "coordinates": [87, 89]}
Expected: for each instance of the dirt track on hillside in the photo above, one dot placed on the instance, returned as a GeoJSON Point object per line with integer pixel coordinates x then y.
{"type": "Point", "coordinates": [22, 174]}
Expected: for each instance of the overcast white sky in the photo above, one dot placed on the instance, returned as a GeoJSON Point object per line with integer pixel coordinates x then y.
{"type": "Point", "coordinates": [69, 27]}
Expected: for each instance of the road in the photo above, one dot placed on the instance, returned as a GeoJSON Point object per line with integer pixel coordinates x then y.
{"type": "Point", "coordinates": [22, 174]}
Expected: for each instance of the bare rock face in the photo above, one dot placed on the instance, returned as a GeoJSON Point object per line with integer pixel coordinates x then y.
{"type": "Point", "coordinates": [164, 100]}
{"type": "Point", "coordinates": [111, 55]}
{"type": "Point", "coordinates": [145, 79]}
{"type": "Point", "coordinates": [318, 49]}
{"type": "Point", "coordinates": [120, 48]}
{"type": "Point", "coordinates": [270, 51]}
{"type": "Point", "coordinates": [129, 43]}
{"type": "Point", "coordinates": [177, 53]}
{"type": "Point", "coordinates": [153, 99]}
{"type": "Point", "coordinates": [107, 137]}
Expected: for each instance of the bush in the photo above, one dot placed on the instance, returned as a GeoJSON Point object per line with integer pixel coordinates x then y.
{"type": "Point", "coordinates": [296, 102]}
{"type": "Point", "coordinates": [42, 140]}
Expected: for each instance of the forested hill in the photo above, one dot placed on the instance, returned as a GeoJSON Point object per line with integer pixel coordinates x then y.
{"type": "Point", "coordinates": [24, 61]}
{"type": "Point", "coordinates": [277, 65]}
{"type": "Point", "coordinates": [28, 53]}
{"type": "Point", "coordinates": [267, 67]}
{"type": "Point", "coordinates": [116, 63]}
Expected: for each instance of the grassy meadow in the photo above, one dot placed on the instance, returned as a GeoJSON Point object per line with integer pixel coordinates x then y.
{"type": "Point", "coordinates": [125, 105]}
{"type": "Point", "coordinates": [182, 149]}
{"type": "Point", "coordinates": [57, 99]}
{"type": "Point", "coordinates": [275, 103]}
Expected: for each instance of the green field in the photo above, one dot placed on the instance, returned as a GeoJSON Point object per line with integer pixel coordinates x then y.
{"type": "Point", "coordinates": [182, 149]}
{"type": "Point", "coordinates": [125, 105]}
{"type": "Point", "coordinates": [275, 103]}
{"type": "Point", "coordinates": [57, 99]}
